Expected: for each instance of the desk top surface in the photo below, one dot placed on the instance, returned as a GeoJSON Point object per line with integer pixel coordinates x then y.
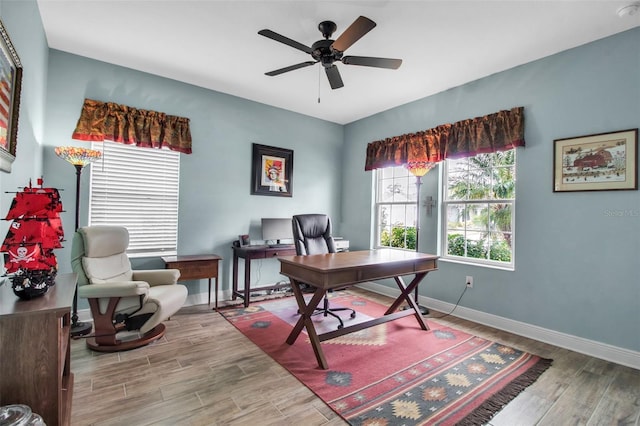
{"type": "Point", "coordinates": [356, 259]}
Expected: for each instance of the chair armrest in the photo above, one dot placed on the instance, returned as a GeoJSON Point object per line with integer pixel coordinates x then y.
{"type": "Point", "coordinates": [157, 276]}
{"type": "Point", "coordinates": [113, 289]}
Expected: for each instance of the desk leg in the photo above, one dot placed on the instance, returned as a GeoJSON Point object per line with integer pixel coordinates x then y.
{"type": "Point", "coordinates": [405, 296]}
{"type": "Point", "coordinates": [305, 321]}
{"type": "Point", "coordinates": [216, 295]}
{"type": "Point", "coordinates": [299, 295]}
{"type": "Point", "coordinates": [247, 281]}
{"type": "Point", "coordinates": [234, 289]}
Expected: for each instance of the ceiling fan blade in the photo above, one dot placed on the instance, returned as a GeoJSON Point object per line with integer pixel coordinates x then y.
{"type": "Point", "coordinates": [368, 61]}
{"type": "Point", "coordinates": [286, 40]}
{"type": "Point", "coordinates": [360, 27]}
{"type": "Point", "coordinates": [334, 77]}
{"type": "Point", "coordinates": [290, 68]}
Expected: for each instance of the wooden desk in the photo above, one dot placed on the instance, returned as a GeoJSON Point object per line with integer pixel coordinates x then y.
{"type": "Point", "coordinates": [337, 270]}
{"type": "Point", "coordinates": [196, 267]}
{"type": "Point", "coordinates": [249, 253]}
{"type": "Point", "coordinates": [35, 351]}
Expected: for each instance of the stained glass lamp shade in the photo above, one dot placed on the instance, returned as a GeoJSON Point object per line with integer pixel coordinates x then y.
{"type": "Point", "coordinates": [78, 156]}
{"type": "Point", "coordinates": [419, 168]}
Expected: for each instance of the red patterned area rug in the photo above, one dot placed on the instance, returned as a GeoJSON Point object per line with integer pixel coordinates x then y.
{"type": "Point", "coordinates": [393, 373]}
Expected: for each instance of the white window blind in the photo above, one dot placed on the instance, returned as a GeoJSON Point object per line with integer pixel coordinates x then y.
{"type": "Point", "coordinates": [137, 188]}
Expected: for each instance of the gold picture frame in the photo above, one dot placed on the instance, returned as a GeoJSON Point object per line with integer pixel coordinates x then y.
{"type": "Point", "coordinates": [599, 162]}
{"type": "Point", "coordinates": [10, 88]}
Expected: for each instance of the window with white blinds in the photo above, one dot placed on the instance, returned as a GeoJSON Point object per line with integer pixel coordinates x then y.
{"type": "Point", "coordinates": [137, 188]}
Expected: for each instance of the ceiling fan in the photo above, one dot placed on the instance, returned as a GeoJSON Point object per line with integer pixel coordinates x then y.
{"type": "Point", "coordinates": [328, 51]}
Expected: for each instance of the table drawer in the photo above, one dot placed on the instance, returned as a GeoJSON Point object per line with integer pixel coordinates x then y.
{"type": "Point", "coordinates": [275, 252]}
{"type": "Point", "coordinates": [195, 270]}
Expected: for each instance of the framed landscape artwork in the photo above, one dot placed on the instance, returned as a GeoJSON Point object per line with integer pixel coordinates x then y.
{"type": "Point", "coordinates": [10, 86]}
{"type": "Point", "coordinates": [600, 162]}
{"type": "Point", "coordinates": [271, 171]}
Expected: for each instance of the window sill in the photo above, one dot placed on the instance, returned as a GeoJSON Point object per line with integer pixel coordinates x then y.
{"type": "Point", "coordinates": [482, 265]}
{"type": "Point", "coordinates": [392, 248]}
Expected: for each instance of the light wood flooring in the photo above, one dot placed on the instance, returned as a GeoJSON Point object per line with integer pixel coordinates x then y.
{"type": "Point", "coordinates": [205, 372]}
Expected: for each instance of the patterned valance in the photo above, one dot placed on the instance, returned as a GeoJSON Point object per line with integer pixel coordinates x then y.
{"type": "Point", "coordinates": [500, 131]}
{"type": "Point", "coordinates": [100, 121]}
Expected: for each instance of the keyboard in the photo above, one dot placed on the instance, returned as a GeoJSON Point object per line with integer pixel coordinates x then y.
{"type": "Point", "coordinates": [279, 245]}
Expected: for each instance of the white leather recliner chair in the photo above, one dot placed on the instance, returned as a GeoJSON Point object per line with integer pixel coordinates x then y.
{"type": "Point", "coordinates": [121, 298]}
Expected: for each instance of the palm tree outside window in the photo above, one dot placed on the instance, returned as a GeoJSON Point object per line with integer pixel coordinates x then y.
{"type": "Point", "coordinates": [479, 209]}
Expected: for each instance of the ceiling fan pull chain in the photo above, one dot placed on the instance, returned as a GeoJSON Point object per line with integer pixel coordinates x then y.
{"type": "Point", "coordinates": [319, 84]}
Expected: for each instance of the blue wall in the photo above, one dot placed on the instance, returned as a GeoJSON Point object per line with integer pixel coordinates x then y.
{"type": "Point", "coordinates": [575, 262]}
{"type": "Point", "coordinates": [22, 22]}
{"type": "Point", "coordinates": [215, 201]}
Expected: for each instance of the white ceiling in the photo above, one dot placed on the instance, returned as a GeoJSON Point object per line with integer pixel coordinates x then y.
{"type": "Point", "coordinates": [214, 44]}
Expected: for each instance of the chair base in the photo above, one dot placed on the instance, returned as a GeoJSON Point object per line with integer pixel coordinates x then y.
{"type": "Point", "coordinates": [330, 311]}
{"type": "Point", "coordinates": [125, 345]}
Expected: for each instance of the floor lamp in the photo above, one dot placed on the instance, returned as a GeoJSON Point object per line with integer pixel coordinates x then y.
{"type": "Point", "coordinates": [78, 157]}
{"type": "Point", "coordinates": [419, 169]}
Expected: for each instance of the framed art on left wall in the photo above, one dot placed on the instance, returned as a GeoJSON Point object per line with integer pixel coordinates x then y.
{"type": "Point", "coordinates": [10, 87]}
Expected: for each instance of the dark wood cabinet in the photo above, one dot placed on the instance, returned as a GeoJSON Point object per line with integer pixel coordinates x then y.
{"type": "Point", "coordinates": [35, 353]}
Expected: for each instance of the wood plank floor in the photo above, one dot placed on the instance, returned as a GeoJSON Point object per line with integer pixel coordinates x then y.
{"type": "Point", "coordinates": [205, 372]}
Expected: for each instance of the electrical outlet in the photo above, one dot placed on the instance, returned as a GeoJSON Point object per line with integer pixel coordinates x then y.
{"type": "Point", "coordinates": [469, 281]}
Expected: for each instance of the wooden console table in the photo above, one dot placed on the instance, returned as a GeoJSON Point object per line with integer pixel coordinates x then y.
{"type": "Point", "coordinates": [249, 253]}
{"type": "Point", "coordinates": [196, 267]}
{"type": "Point", "coordinates": [35, 350]}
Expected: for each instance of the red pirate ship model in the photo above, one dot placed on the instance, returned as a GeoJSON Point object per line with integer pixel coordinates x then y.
{"type": "Point", "coordinates": [35, 232]}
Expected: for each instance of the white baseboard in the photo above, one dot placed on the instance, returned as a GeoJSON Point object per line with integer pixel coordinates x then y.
{"type": "Point", "coordinates": [199, 299]}
{"type": "Point", "coordinates": [600, 350]}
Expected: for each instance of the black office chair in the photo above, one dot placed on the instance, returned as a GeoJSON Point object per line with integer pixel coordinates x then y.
{"type": "Point", "coordinates": [312, 235]}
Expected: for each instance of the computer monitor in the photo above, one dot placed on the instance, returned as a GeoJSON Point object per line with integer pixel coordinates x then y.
{"type": "Point", "coordinates": [276, 229]}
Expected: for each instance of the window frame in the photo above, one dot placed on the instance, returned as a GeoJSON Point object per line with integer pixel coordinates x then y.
{"type": "Point", "coordinates": [444, 228]}
{"type": "Point", "coordinates": [410, 202]}
{"type": "Point", "coordinates": [158, 172]}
